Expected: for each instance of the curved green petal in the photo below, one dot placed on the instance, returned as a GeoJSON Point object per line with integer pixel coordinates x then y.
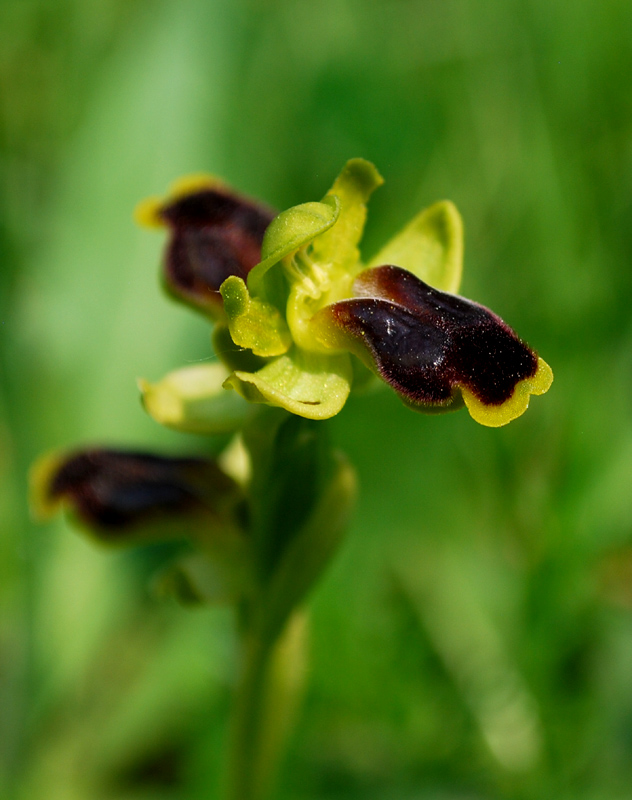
{"type": "Point", "coordinates": [353, 187]}
{"type": "Point", "coordinates": [310, 385]}
{"type": "Point", "coordinates": [430, 246]}
{"type": "Point", "coordinates": [254, 323]}
{"type": "Point", "coordinates": [328, 269]}
{"type": "Point", "coordinates": [193, 400]}
{"type": "Point", "coordinates": [291, 230]}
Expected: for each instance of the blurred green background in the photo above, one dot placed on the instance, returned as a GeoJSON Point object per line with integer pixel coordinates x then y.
{"type": "Point", "coordinates": [473, 639]}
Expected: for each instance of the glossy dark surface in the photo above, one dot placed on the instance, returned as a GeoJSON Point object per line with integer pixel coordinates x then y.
{"type": "Point", "coordinates": [425, 342]}
{"type": "Point", "coordinates": [215, 234]}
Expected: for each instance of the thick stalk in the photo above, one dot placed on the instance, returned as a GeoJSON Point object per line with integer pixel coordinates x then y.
{"type": "Point", "coordinates": [265, 701]}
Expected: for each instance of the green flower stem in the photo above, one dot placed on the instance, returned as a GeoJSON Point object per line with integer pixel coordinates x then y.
{"type": "Point", "coordinates": [265, 703]}
{"type": "Point", "coordinates": [248, 723]}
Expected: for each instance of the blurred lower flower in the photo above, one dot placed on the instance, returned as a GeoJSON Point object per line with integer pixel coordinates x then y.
{"type": "Point", "coordinates": [120, 495]}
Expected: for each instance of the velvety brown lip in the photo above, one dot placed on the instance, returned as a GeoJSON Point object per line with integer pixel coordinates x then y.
{"type": "Point", "coordinates": [215, 234]}
{"type": "Point", "coordinates": [426, 343]}
{"type": "Point", "coordinates": [114, 490]}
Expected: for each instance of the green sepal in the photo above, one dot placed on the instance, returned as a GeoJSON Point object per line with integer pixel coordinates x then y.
{"type": "Point", "coordinates": [290, 231]}
{"type": "Point", "coordinates": [353, 187]}
{"type": "Point", "coordinates": [193, 400]}
{"type": "Point", "coordinates": [254, 323]}
{"type": "Point", "coordinates": [308, 384]}
{"type": "Point", "coordinates": [430, 246]}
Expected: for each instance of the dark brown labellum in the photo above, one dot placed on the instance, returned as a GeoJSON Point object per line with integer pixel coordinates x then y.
{"type": "Point", "coordinates": [427, 343]}
{"type": "Point", "coordinates": [115, 490]}
{"type": "Point", "coordinates": [215, 234]}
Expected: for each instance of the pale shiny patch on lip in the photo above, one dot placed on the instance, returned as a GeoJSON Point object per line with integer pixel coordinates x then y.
{"type": "Point", "coordinates": [495, 416]}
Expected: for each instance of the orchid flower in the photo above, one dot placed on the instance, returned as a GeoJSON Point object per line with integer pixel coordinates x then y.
{"type": "Point", "coordinates": [299, 322]}
{"type": "Point", "coordinates": [298, 313]}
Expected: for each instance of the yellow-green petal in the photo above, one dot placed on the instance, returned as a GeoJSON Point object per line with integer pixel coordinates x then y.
{"type": "Point", "coordinates": [430, 246]}
{"type": "Point", "coordinates": [325, 274]}
{"type": "Point", "coordinates": [288, 232]}
{"type": "Point", "coordinates": [193, 400]}
{"type": "Point", "coordinates": [338, 246]}
{"type": "Point", "coordinates": [254, 323]}
{"type": "Point", "coordinates": [307, 384]}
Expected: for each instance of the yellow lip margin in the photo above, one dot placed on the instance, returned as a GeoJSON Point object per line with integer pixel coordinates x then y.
{"type": "Point", "coordinates": [147, 213]}
{"type": "Point", "coordinates": [516, 405]}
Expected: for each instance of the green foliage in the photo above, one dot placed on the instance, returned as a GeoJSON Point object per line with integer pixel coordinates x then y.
{"type": "Point", "coordinates": [518, 540]}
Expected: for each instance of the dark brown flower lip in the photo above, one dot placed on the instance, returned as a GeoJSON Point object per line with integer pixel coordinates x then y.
{"type": "Point", "coordinates": [428, 344]}
{"type": "Point", "coordinates": [117, 490]}
{"type": "Point", "coordinates": [214, 233]}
